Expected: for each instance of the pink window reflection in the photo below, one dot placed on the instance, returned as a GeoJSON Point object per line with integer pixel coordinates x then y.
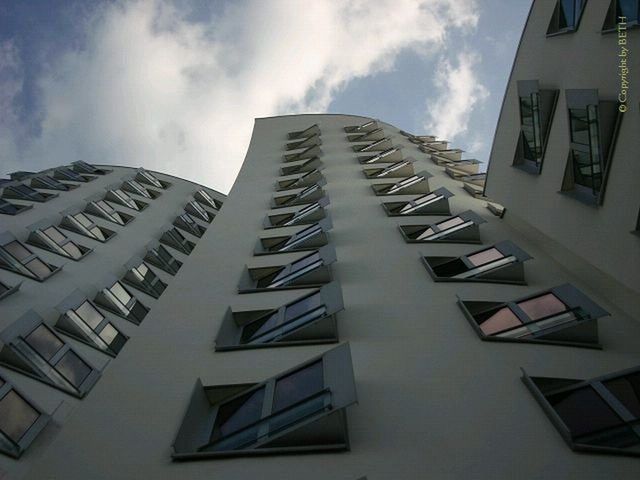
{"type": "Point", "coordinates": [542, 306]}
{"type": "Point", "coordinates": [485, 256]}
{"type": "Point", "coordinates": [499, 321]}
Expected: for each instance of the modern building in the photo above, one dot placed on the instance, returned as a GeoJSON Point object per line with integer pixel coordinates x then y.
{"type": "Point", "coordinates": [357, 308]}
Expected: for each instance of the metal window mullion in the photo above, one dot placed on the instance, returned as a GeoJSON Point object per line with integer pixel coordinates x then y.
{"type": "Point", "coordinates": [267, 407]}
{"type": "Point", "coordinates": [612, 401]}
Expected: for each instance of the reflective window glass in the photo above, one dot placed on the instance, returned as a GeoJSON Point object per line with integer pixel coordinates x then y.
{"type": "Point", "coordinates": [238, 413]}
{"type": "Point", "coordinates": [43, 341]}
{"type": "Point", "coordinates": [121, 294]}
{"type": "Point", "coordinates": [73, 368]}
{"type": "Point", "coordinates": [627, 390]}
{"type": "Point", "coordinates": [17, 250]}
{"type": "Point", "coordinates": [499, 321]}
{"type": "Point", "coordinates": [543, 306]}
{"type": "Point", "coordinates": [16, 415]}
{"type": "Point", "coordinates": [298, 385]}
{"type": "Point", "coordinates": [485, 256]}
{"type": "Point", "coordinates": [89, 314]}
{"type": "Point", "coordinates": [38, 268]}
{"type": "Point", "coordinates": [54, 234]}
{"type": "Point", "coordinates": [583, 411]}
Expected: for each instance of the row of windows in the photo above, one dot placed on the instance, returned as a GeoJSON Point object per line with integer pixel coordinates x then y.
{"type": "Point", "coordinates": [567, 14]}
{"type": "Point", "coordinates": [597, 415]}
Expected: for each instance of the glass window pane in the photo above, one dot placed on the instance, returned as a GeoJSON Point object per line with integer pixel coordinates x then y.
{"type": "Point", "coordinates": [627, 8]}
{"type": "Point", "coordinates": [73, 368]}
{"type": "Point", "coordinates": [97, 232]}
{"type": "Point", "coordinates": [237, 414]}
{"type": "Point", "coordinates": [450, 223]}
{"type": "Point", "coordinates": [627, 390]}
{"type": "Point", "coordinates": [108, 333]}
{"type": "Point", "coordinates": [543, 306]}
{"type": "Point", "coordinates": [38, 268]}
{"type": "Point", "coordinates": [579, 125]}
{"type": "Point", "coordinates": [16, 415]}
{"type": "Point", "coordinates": [43, 341]}
{"type": "Point", "coordinates": [583, 411]}
{"type": "Point", "coordinates": [120, 293]}
{"type": "Point", "coordinates": [54, 234]}
{"type": "Point", "coordinates": [258, 327]}
{"type": "Point", "coordinates": [72, 249]}
{"type": "Point", "coordinates": [89, 314]}
{"type": "Point", "coordinates": [83, 219]}
{"type": "Point", "coordinates": [485, 256]}
{"type": "Point", "coordinates": [298, 385]}
{"type": "Point", "coordinates": [303, 306]}
{"type": "Point", "coordinates": [16, 249]}
{"type": "Point", "coordinates": [499, 321]}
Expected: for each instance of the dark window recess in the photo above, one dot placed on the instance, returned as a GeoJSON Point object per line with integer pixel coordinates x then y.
{"type": "Point", "coordinates": [432, 203]}
{"type": "Point", "coordinates": [367, 126]}
{"type": "Point", "coordinates": [629, 9]}
{"type": "Point", "coordinates": [308, 271]}
{"type": "Point", "coordinates": [462, 228]}
{"type": "Point", "coordinates": [300, 181]}
{"type": "Point", "coordinates": [308, 153]}
{"type": "Point", "coordinates": [393, 154]}
{"type": "Point", "coordinates": [117, 299]}
{"type": "Point", "coordinates": [307, 132]}
{"type": "Point", "coordinates": [65, 173]}
{"type": "Point", "coordinates": [311, 141]}
{"type": "Point", "coordinates": [145, 280]}
{"type": "Point", "coordinates": [500, 263]}
{"type": "Point", "coordinates": [537, 107]}
{"type": "Point", "coordinates": [203, 197]}
{"type": "Point", "coordinates": [300, 166]}
{"type": "Point", "coordinates": [148, 178]}
{"type": "Point", "coordinates": [103, 210]}
{"type": "Point", "coordinates": [305, 215]}
{"type": "Point", "coordinates": [301, 410]}
{"type": "Point", "coordinates": [32, 348]}
{"type": "Point", "coordinates": [84, 168]}
{"type": "Point", "coordinates": [373, 146]}
{"type": "Point", "coordinates": [306, 320]}
{"type": "Point", "coordinates": [51, 183]}
{"type": "Point", "coordinates": [53, 240]}
{"type": "Point", "coordinates": [186, 222]}
{"type": "Point", "coordinates": [415, 184]}
{"type": "Point", "coordinates": [120, 197]}
{"type": "Point", "coordinates": [21, 420]}
{"type": "Point", "coordinates": [308, 238]}
{"type": "Point", "coordinates": [566, 16]}
{"type": "Point", "coordinates": [25, 192]}
{"type": "Point", "coordinates": [196, 210]}
{"type": "Point", "coordinates": [403, 168]}
{"type": "Point", "coordinates": [600, 415]}
{"type": "Point", "coordinates": [17, 258]}
{"type": "Point", "coordinates": [593, 128]}
{"type": "Point", "coordinates": [87, 324]}
{"type": "Point", "coordinates": [305, 195]}
{"type": "Point", "coordinates": [174, 239]}
{"type": "Point", "coordinates": [83, 225]}
{"type": "Point", "coordinates": [160, 257]}
{"type": "Point", "coordinates": [135, 187]}
{"type": "Point", "coordinates": [562, 315]}
{"type": "Point", "coordinates": [8, 208]}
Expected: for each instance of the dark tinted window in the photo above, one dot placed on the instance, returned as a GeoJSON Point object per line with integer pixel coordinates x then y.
{"type": "Point", "coordinates": [89, 314]}
{"type": "Point", "coordinates": [627, 390]}
{"type": "Point", "coordinates": [303, 306]}
{"type": "Point", "coordinates": [297, 386]}
{"type": "Point", "coordinates": [237, 414]}
{"type": "Point", "coordinates": [44, 342]}
{"type": "Point", "coordinates": [16, 249]}
{"type": "Point", "coordinates": [73, 368]}
{"type": "Point", "coordinates": [16, 415]}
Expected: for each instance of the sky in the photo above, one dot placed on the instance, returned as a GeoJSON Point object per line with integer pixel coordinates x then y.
{"type": "Point", "coordinates": [175, 85]}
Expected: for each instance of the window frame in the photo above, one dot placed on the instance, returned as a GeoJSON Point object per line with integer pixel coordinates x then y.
{"type": "Point", "coordinates": [71, 223]}
{"type": "Point", "coordinates": [438, 206]}
{"type": "Point", "coordinates": [133, 186]}
{"type": "Point", "coordinates": [469, 234]}
{"type": "Point", "coordinates": [610, 21]}
{"type": "Point", "coordinates": [554, 28]}
{"type": "Point", "coordinates": [122, 198]}
{"type": "Point", "coordinates": [265, 245]}
{"type": "Point", "coordinates": [299, 196]}
{"type": "Point", "coordinates": [39, 238]}
{"type": "Point", "coordinates": [188, 224]}
{"type": "Point", "coordinates": [20, 266]}
{"type": "Point", "coordinates": [153, 287]}
{"type": "Point", "coordinates": [316, 212]}
{"type": "Point", "coordinates": [417, 183]}
{"type": "Point", "coordinates": [154, 257]}
{"type": "Point", "coordinates": [13, 192]}
{"type": "Point", "coordinates": [105, 299]}
{"type": "Point", "coordinates": [66, 173]}
{"type": "Point", "coordinates": [96, 208]}
{"type": "Point", "coordinates": [146, 177]}
{"type": "Point", "coordinates": [6, 205]}
{"type": "Point", "coordinates": [174, 239]}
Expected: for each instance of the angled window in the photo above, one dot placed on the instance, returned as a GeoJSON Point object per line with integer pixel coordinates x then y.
{"type": "Point", "coordinates": [593, 126]}
{"type": "Point", "coordinates": [145, 280]}
{"type": "Point", "coordinates": [306, 320]}
{"type": "Point", "coordinates": [103, 210]}
{"type": "Point", "coordinates": [441, 148]}
{"type": "Point", "coordinates": [21, 420]}
{"type": "Point", "coordinates": [463, 168]}
{"type": "Point", "coordinates": [306, 154]}
{"type": "Point", "coordinates": [566, 17]}
{"type": "Point", "coordinates": [195, 209]}
{"type": "Point", "coordinates": [158, 256]}
{"type": "Point", "coordinates": [302, 216]}
{"type": "Point", "coordinates": [365, 127]}
{"type": "Point", "coordinates": [307, 132]}
{"type": "Point", "coordinates": [311, 270]}
{"type": "Point", "coordinates": [562, 315]}
{"type": "Point", "coordinates": [25, 192]}
{"type": "Point", "coordinates": [117, 299]}
{"type": "Point", "coordinates": [599, 415]}
{"type": "Point", "coordinates": [53, 240]}
{"type": "Point", "coordinates": [311, 141]}
{"type": "Point", "coordinates": [629, 10]}
{"type": "Point", "coordinates": [175, 239]}
{"type": "Point", "coordinates": [434, 203]}
{"type": "Point", "coordinates": [399, 169]}
{"type": "Point", "coordinates": [203, 197]}
{"type": "Point", "coordinates": [186, 222]}
{"type": "Point", "coordinates": [8, 208]}
{"type": "Point", "coordinates": [135, 187]}
{"type": "Point", "coordinates": [32, 348]}
{"type": "Point", "coordinates": [6, 289]}
{"type": "Point", "coordinates": [415, 184]}
{"type": "Point", "coordinates": [501, 263]}
{"type": "Point", "coordinates": [83, 225]}
{"type": "Point", "coordinates": [300, 181]}
{"type": "Point", "coordinates": [148, 178]}
{"type": "Point", "coordinates": [374, 146]}
{"type": "Point", "coordinates": [370, 136]}
{"type": "Point", "coordinates": [300, 410]}
{"type": "Point", "coordinates": [304, 195]}
{"type": "Point", "coordinates": [462, 228]}
{"type": "Point", "coordinates": [417, 139]}
{"type": "Point", "coordinates": [66, 174]}
{"type": "Point", "coordinates": [393, 154]}
{"type": "Point", "coordinates": [300, 166]}
{"type": "Point", "coordinates": [121, 198]}
{"type": "Point", "coordinates": [81, 320]}
{"type": "Point", "coordinates": [84, 167]}
{"type": "Point", "coordinates": [47, 182]}
{"type": "Point", "coordinates": [306, 238]}
{"type": "Point", "coordinates": [17, 258]}
{"type": "Point", "coordinates": [537, 107]}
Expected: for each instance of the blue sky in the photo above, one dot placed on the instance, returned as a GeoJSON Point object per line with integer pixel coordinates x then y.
{"type": "Point", "coordinates": [175, 85]}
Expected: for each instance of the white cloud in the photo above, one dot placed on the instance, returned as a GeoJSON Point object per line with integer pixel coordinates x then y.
{"type": "Point", "coordinates": [154, 89]}
{"type": "Point", "coordinates": [458, 92]}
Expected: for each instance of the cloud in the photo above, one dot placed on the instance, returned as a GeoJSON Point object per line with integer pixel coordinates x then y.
{"type": "Point", "coordinates": [153, 87]}
{"type": "Point", "coordinates": [458, 92]}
